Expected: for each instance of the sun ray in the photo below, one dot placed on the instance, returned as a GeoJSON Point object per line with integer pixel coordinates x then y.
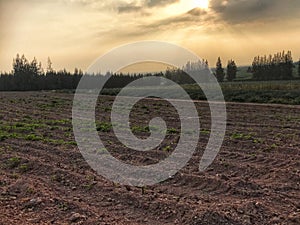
{"type": "Point", "coordinates": [184, 6]}
{"type": "Point", "coordinates": [201, 4]}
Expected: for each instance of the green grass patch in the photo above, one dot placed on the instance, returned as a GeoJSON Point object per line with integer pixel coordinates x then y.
{"type": "Point", "coordinates": [241, 136]}
{"type": "Point", "coordinates": [33, 137]}
{"type": "Point", "coordinates": [204, 132]}
{"type": "Point", "coordinates": [103, 126]}
{"type": "Point", "coordinates": [142, 129]}
{"type": "Point", "coordinates": [172, 131]}
{"type": "Point", "coordinates": [13, 162]}
{"type": "Point", "coordinates": [167, 148]}
{"type": "Point", "coordinates": [24, 168]}
{"type": "Point", "coordinates": [274, 92]}
{"type": "Point", "coordinates": [3, 137]}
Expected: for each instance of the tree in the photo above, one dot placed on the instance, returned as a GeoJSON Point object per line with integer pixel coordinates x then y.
{"type": "Point", "coordinates": [219, 71]}
{"type": "Point", "coordinates": [49, 66]}
{"type": "Point", "coordinates": [76, 72]}
{"type": "Point", "coordinates": [22, 72]}
{"type": "Point", "coordinates": [299, 68]}
{"type": "Point", "coordinates": [277, 67]}
{"type": "Point", "coordinates": [288, 66]}
{"type": "Point", "coordinates": [231, 70]}
{"type": "Point", "coordinates": [29, 75]}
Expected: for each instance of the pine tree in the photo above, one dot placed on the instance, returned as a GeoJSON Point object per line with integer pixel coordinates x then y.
{"type": "Point", "coordinates": [49, 66]}
{"type": "Point", "coordinates": [231, 70]}
{"type": "Point", "coordinates": [220, 74]}
{"type": "Point", "coordinates": [277, 67]}
{"type": "Point", "coordinates": [299, 68]}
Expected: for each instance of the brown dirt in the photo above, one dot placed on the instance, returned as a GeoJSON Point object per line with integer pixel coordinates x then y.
{"type": "Point", "coordinates": [254, 180]}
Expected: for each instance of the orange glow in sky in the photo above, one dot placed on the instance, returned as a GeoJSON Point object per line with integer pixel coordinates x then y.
{"type": "Point", "coordinates": [73, 33]}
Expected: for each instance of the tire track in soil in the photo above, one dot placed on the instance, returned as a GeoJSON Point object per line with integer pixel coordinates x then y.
{"type": "Point", "coordinates": [245, 185]}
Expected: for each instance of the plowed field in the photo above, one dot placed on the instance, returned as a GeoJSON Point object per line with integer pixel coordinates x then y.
{"type": "Point", "coordinates": [45, 180]}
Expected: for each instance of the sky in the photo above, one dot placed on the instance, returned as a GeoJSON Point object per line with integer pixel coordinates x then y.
{"type": "Point", "coordinates": [73, 33]}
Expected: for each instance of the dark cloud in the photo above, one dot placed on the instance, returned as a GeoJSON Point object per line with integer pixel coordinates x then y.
{"type": "Point", "coordinates": [197, 12]}
{"type": "Point", "coordinates": [241, 11]}
{"type": "Point", "coordinates": [134, 7]}
{"type": "Point", "coordinates": [195, 16]}
{"type": "Point", "coordinates": [129, 8]}
{"type": "Point", "coordinates": [154, 3]}
{"type": "Point", "coordinates": [233, 12]}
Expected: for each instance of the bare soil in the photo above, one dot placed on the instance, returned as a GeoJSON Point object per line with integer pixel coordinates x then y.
{"type": "Point", "coordinates": [45, 180]}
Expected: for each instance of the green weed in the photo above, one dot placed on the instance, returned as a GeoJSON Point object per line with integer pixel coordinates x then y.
{"type": "Point", "coordinates": [167, 148]}
{"type": "Point", "coordinates": [205, 132]}
{"type": "Point", "coordinates": [241, 136]}
{"type": "Point", "coordinates": [23, 168]}
{"type": "Point", "coordinates": [13, 162]}
{"type": "Point", "coordinates": [33, 137]}
{"type": "Point", "coordinates": [103, 127]}
{"type": "Point", "coordinates": [142, 129]}
{"type": "Point", "coordinates": [172, 131]}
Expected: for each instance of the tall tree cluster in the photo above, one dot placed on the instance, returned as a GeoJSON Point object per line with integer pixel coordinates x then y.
{"type": "Point", "coordinates": [220, 74]}
{"type": "Point", "coordinates": [30, 76]}
{"type": "Point", "coordinates": [192, 67]}
{"type": "Point", "coordinates": [26, 73]}
{"type": "Point", "coordinates": [231, 70]}
{"type": "Point", "coordinates": [277, 67]}
{"type": "Point", "coordinates": [299, 68]}
{"type": "Point", "coordinates": [183, 76]}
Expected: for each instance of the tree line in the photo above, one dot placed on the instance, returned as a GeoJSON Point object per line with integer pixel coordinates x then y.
{"type": "Point", "coordinates": [264, 68]}
{"type": "Point", "coordinates": [277, 67]}
{"type": "Point", "coordinates": [31, 76]}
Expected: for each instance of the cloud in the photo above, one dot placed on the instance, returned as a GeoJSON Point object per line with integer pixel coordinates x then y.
{"type": "Point", "coordinates": [129, 8]}
{"type": "Point", "coordinates": [137, 6]}
{"type": "Point", "coordinates": [196, 16]}
{"type": "Point", "coordinates": [243, 11]}
{"type": "Point", "coordinates": [197, 12]}
{"type": "Point", "coordinates": [155, 3]}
